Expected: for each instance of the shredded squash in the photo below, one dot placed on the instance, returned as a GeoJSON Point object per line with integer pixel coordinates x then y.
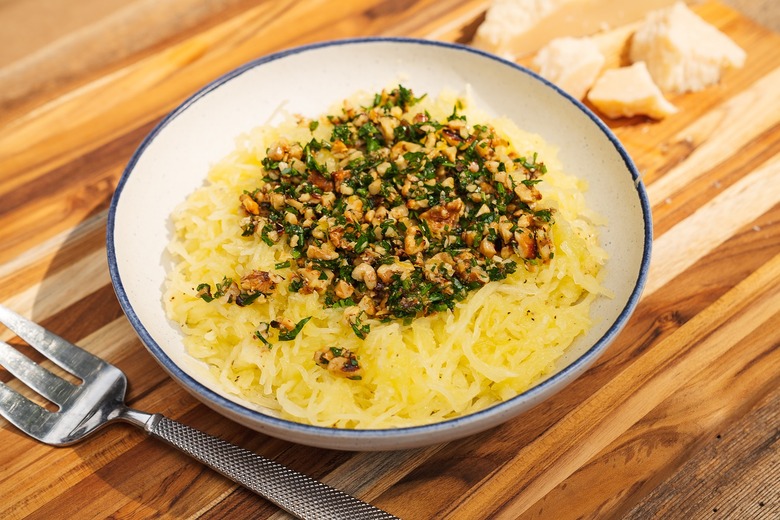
{"type": "Point", "coordinates": [489, 347]}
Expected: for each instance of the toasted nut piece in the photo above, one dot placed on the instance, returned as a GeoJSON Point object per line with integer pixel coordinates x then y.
{"type": "Point", "coordinates": [527, 194]}
{"type": "Point", "coordinates": [487, 248]}
{"type": "Point", "coordinates": [492, 166]}
{"type": "Point", "coordinates": [351, 314]}
{"type": "Point", "coordinates": [387, 271]}
{"type": "Point", "coordinates": [421, 117]}
{"type": "Point", "coordinates": [442, 218]}
{"type": "Point", "coordinates": [313, 280]}
{"type": "Point", "coordinates": [455, 206]}
{"type": "Point", "coordinates": [261, 281]}
{"type": "Point", "coordinates": [366, 304]}
{"type": "Point", "coordinates": [296, 151]}
{"type": "Point", "coordinates": [335, 234]}
{"type": "Point", "coordinates": [483, 149]}
{"type": "Point", "coordinates": [231, 292]}
{"type": "Point", "coordinates": [478, 274]}
{"type": "Point", "coordinates": [360, 120]}
{"type": "Point", "coordinates": [343, 365]}
{"type": "Point", "coordinates": [524, 220]}
{"type": "Point", "coordinates": [375, 187]}
{"type": "Point", "coordinates": [323, 252]}
{"type": "Point", "coordinates": [505, 230]}
{"type": "Point", "coordinates": [249, 204]}
{"type": "Point", "coordinates": [456, 124]}
{"type": "Point", "coordinates": [450, 152]}
{"type": "Point", "coordinates": [463, 262]}
{"type": "Point", "coordinates": [344, 289]}
{"type": "Point", "coordinates": [526, 244]}
{"type": "Point", "coordinates": [451, 137]}
{"type": "Point", "coordinates": [277, 150]}
{"type": "Point", "coordinates": [401, 147]}
{"type": "Point", "coordinates": [354, 208]}
{"type": "Point", "coordinates": [416, 204]}
{"type": "Point", "coordinates": [284, 323]}
{"type": "Point", "coordinates": [486, 187]}
{"type": "Point", "coordinates": [319, 180]}
{"type": "Point", "coordinates": [277, 201]}
{"type": "Point", "coordinates": [387, 125]}
{"type": "Point", "coordinates": [328, 198]}
{"type": "Point", "coordinates": [399, 212]}
{"type": "Point", "coordinates": [482, 210]}
{"type": "Point", "coordinates": [365, 273]}
{"type": "Point", "coordinates": [338, 148]}
{"type": "Point", "coordinates": [339, 176]}
{"type": "Point", "coordinates": [413, 244]}
{"type": "Point", "coordinates": [298, 165]}
{"type": "Point", "coordinates": [382, 168]}
{"type": "Point", "coordinates": [469, 237]}
{"type": "Point", "coordinates": [439, 268]}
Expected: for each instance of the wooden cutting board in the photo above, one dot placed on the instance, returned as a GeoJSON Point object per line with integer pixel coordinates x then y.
{"type": "Point", "coordinates": [662, 425]}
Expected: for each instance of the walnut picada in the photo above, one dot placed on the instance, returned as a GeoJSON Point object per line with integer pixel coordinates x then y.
{"type": "Point", "coordinates": [396, 214]}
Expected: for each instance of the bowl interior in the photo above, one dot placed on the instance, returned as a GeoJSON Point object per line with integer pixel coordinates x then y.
{"type": "Point", "coordinates": [175, 158]}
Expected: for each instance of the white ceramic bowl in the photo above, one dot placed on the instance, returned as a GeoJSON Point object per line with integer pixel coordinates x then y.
{"type": "Point", "coordinates": [174, 159]}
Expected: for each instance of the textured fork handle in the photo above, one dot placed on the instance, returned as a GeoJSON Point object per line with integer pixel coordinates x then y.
{"type": "Point", "coordinates": [294, 492]}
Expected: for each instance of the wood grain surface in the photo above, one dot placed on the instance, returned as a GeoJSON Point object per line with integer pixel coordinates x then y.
{"type": "Point", "coordinates": [678, 419]}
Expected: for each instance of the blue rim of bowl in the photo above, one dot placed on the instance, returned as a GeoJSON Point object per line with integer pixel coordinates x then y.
{"type": "Point", "coordinates": [581, 363]}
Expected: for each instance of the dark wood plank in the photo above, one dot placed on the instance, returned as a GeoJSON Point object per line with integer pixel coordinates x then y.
{"type": "Point", "coordinates": [734, 475]}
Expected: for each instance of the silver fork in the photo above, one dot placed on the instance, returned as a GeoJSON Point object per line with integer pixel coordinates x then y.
{"type": "Point", "coordinates": [100, 399]}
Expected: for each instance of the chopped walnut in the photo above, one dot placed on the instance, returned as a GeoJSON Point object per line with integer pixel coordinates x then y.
{"type": "Point", "coordinates": [249, 204]}
{"type": "Point", "coordinates": [340, 362]}
{"type": "Point", "coordinates": [396, 211]}
{"type": "Point", "coordinates": [260, 281]}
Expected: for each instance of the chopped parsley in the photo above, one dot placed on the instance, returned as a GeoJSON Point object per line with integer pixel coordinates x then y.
{"type": "Point", "coordinates": [396, 215]}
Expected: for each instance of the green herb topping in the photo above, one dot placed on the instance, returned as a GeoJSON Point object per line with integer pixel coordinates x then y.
{"type": "Point", "coordinates": [395, 215]}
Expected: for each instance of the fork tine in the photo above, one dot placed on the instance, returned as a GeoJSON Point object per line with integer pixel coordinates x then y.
{"type": "Point", "coordinates": [21, 412]}
{"type": "Point", "coordinates": [68, 356]}
{"type": "Point", "coordinates": [49, 385]}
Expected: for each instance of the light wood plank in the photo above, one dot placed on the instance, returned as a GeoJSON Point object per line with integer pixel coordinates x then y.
{"type": "Point", "coordinates": [536, 469]}
{"type": "Point", "coordinates": [691, 239]}
{"type": "Point", "coordinates": [721, 133]}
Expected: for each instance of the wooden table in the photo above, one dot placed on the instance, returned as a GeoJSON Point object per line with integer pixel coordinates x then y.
{"type": "Point", "coordinates": [678, 419]}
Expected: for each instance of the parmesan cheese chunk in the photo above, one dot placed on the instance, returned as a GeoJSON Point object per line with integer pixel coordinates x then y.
{"type": "Point", "coordinates": [614, 45]}
{"type": "Point", "coordinates": [505, 19]}
{"type": "Point", "coordinates": [571, 63]}
{"type": "Point", "coordinates": [517, 28]}
{"type": "Point", "coordinates": [629, 91]}
{"type": "Point", "coordinates": [683, 52]}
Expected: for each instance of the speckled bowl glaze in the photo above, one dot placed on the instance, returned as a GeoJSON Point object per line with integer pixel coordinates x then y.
{"type": "Point", "coordinates": [174, 160]}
